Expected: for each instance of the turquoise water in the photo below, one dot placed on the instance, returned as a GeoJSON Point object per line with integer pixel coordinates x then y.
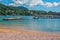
{"type": "Point", "coordinates": [45, 25]}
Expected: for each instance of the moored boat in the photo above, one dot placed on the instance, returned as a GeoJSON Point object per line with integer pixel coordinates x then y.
{"type": "Point", "coordinates": [12, 18]}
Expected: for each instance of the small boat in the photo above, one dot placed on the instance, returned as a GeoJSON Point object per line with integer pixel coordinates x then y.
{"type": "Point", "coordinates": [12, 18]}
{"type": "Point", "coordinates": [35, 17]}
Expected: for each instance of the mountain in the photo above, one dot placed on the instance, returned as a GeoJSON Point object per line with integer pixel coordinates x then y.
{"type": "Point", "coordinates": [2, 6]}
{"type": "Point", "coordinates": [10, 10]}
{"type": "Point", "coordinates": [17, 8]}
{"type": "Point", "coordinates": [20, 8]}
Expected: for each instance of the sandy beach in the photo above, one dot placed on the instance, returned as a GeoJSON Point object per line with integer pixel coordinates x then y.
{"type": "Point", "coordinates": [7, 34]}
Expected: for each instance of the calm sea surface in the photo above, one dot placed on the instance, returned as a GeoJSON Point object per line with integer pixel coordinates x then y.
{"type": "Point", "coordinates": [48, 25]}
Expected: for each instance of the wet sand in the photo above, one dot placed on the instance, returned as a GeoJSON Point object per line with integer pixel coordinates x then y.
{"type": "Point", "coordinates": [12, 34]}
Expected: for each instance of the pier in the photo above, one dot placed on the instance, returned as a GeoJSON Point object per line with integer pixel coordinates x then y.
{"type": "Point", "coordinates": [46, 16]}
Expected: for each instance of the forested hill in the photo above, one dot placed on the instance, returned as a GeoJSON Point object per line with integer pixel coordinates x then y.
{"type": "Point", "coordinates": [9, 10]}
{"type": "Point", "coordinates": [2, 6]}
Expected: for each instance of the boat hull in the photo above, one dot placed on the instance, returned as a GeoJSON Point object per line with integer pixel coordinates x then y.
{"type": "Point", "coordinates": [12, 18]}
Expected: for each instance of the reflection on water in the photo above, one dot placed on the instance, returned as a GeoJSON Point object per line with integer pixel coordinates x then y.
{"type": "Point", "coordinates": [48, 25]}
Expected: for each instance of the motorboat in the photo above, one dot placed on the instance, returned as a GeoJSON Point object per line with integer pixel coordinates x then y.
{"type": "Point", "coordinates": [12, 18]}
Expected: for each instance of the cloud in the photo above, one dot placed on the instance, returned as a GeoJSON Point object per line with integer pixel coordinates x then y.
{"type": "Point", "coordinates": [36, 3]}
{"type": "Point", "coordinates": [30, 3]}
{"type": "Point", "coordinates": [18, 2]}
{"type": "Point", "coordinates": [47, 4]}
{"type": "Point", "coordinates": [54, 4]}
{"type": "Point", "coordinates": [33, 3]}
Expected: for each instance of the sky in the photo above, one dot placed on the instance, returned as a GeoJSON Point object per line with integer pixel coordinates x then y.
{"type": "Point", "coordinates": [46, 5]}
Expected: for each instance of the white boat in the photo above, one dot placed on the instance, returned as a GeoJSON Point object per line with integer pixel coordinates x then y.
{"type": "Point", "coordinates": [36, 17]}
{"type": "Point", "coordinates": [12, 18]}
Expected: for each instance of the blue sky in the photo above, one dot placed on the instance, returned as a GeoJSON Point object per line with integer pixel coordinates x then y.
{"type": "Point", "coordinates": [47, 5]}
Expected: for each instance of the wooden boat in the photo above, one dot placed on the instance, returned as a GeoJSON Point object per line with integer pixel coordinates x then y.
{"type": "Point", "coordinates": [12, 18]}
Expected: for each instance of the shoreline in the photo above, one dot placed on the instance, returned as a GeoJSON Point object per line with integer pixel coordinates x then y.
{"type": "Point", "coordinates": [23, 29]}
{"type": "Point", "coordinates": [26, 30]}
{"type": "Point", "coordinates": [13, 34]}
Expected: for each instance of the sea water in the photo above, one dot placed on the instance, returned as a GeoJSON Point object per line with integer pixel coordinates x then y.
{"type": "Point", "coordinates": [28, 23]}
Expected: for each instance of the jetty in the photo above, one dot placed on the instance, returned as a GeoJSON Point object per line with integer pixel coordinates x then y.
{"type": "Point", "coordinates": [46, 16]}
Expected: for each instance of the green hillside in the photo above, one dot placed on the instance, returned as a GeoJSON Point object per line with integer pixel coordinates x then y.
{"type": "Point", "coordinates": [9, 10]}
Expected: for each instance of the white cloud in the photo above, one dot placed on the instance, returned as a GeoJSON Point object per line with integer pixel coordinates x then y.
{"type": "Point", "coordinates": [33, 3]}
{"type": "Point", "coordinates": [47, 4]}
{"type": "Point", "coordinates": [54, 4]}
{"type": "Point", "coordinates": [27, 2]}
{"type": "Point", "coordinates": [18, 2]}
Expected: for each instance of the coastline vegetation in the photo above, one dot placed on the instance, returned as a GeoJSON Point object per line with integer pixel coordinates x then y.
{"type": "Point", "coordinates": [9, 10]}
